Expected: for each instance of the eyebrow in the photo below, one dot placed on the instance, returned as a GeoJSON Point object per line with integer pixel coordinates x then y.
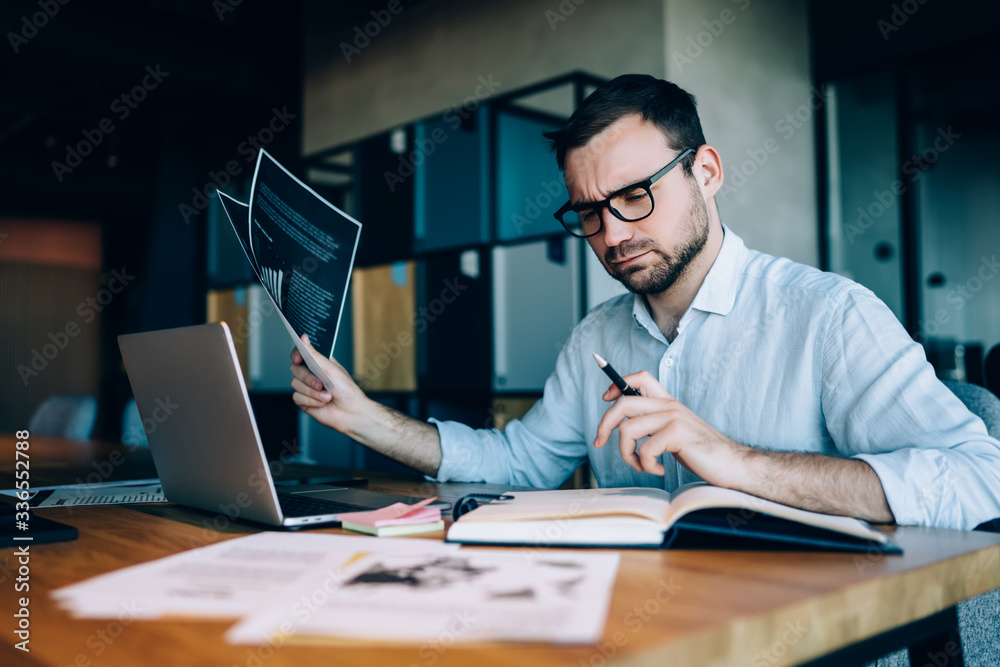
{"type": "Point", "coordinates": [612, 191]}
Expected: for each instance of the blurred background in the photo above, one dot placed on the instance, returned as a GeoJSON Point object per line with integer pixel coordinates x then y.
{"type": "Point", "coordinates": [859, 137]}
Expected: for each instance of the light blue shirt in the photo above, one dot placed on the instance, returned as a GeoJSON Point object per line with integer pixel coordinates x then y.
{"type": "Point", "coordinates": [775, 355]}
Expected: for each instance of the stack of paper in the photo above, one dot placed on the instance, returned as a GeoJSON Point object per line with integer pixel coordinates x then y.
{"type": "Point", "coordinates": [101, 493]}
{"type": "Point", "coordinates": [396, 519]}
{"type": "Point", "coordinates": [469, 596]}
{"type": "Point", "coordinates": [309, 588]}
{"type": "Point", "coordinates": [228, 579]}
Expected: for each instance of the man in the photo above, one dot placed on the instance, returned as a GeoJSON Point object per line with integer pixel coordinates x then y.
{"type": "Point", "coordinates": [755, 373]}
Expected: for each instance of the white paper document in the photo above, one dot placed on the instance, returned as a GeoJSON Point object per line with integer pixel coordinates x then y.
{"type": "Point", "coordinates": [473, 595]}
{"type": "Point", "coordinates": [102, 493]}
{"type": "Point", "coordinates": [97, 485]}
{"type": "Point", "coordinates": [114, 495]}
{"type": "Point", "coordinates": [301, 248]}
{"type": "Point", "coordinates": [231, 578]}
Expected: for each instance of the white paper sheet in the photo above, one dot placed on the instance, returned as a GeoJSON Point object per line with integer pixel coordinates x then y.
{"type": "Point", "coordinates": [117, 495]}
{"type": "Point", "coordinates": [472, 595]}
{"type": "Point", "coordinates": [98, 485]}
{"type": "Point", "coordinates": [302, 250]}
{"type": "Point", "coordinates": [231, 578]}
{"type": "Point", "coordinates": [104, 493]}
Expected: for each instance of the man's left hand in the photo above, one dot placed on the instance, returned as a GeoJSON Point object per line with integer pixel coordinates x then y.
{"type": "Point", "coordinates": [670, 427]}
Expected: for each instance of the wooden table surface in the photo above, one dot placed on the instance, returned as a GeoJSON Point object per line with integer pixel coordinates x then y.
{"type": "Point", "coordinates": [668, 607]}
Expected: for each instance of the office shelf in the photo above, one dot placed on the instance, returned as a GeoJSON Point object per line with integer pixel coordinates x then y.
{"type": "Point", "coordinates": [465, 286]}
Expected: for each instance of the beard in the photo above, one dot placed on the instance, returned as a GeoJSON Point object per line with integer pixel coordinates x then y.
{"type": "Point", "coordinates": [666, 268]}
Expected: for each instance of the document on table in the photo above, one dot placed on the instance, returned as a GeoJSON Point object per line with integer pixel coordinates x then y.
{"type": "Point", "coordinates": [103, 493]}
{"type": "Point", "coordinates": [231, 578]}
{"type": "Point", "coordinates": [472, 595]}
{"type": "Point", "coordinates": [115, 495]}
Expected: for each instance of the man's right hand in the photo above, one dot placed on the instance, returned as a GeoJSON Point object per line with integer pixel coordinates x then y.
{"type": "Point", "coordinates": [346, 409]}
{"type": "Point", "coordinates": [339, 409]}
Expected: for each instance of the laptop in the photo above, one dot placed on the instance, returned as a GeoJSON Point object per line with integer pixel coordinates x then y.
{"type": "Point", "coordinates": [203, 436]}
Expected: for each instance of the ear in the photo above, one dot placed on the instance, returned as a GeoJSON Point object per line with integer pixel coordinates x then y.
{"type": "Point", "coordinates": [707, 171]}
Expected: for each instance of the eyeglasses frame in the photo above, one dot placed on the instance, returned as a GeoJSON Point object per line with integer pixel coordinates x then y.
{"type": "Point", "coordinates": [606, 202]}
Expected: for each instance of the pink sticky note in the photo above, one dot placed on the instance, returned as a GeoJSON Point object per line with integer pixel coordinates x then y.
{"type": "Point", "coordinates": [399, 514]}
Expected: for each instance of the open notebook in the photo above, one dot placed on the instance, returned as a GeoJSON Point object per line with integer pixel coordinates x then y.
{"type": "Point", "coordinates": [694, 516]}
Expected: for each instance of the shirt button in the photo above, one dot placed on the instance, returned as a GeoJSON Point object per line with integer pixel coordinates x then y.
{"type": "Point", "coordinates": [669, 362]}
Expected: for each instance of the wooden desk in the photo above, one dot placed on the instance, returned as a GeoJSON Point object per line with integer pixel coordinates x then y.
{"type": "Point", "coordinates": [669, 608]}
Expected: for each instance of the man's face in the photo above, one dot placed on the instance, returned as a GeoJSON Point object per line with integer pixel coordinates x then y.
{"type": "Point", "coordinates": [647, 256]}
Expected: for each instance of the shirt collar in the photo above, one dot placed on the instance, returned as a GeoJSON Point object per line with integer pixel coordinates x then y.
{"type": "Point", "coordinates": [718, 291]}
{"type": "Point", "coordinates": [643, 319]}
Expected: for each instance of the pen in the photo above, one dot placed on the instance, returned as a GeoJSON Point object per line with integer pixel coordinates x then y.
{"type": "Point", "coordinates": [617, 379]}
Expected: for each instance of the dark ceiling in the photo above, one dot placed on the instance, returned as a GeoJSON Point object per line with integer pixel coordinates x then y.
{"type": "Point", "coordinates": [227, 65]}
{"type": "Point", "coordinates": [66, 69]}
{"type": "Point", "coordinates": [230, 62]}
{"type": "Point", "coordinates": [852, 36]}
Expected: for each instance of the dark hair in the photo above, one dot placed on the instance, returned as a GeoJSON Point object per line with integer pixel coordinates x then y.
{"type": "Point", "coordinates": [667, 105]}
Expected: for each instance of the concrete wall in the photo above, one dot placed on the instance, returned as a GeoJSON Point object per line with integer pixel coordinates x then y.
{"type": "Point", "coordinates": [430, 57]}
{"type": "Point", "coordinates": [747, 63]}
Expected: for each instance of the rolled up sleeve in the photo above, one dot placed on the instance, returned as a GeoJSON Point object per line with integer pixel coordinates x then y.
{"type": "Point", "coordinates": [541, 450]}
{"type": "Point", "coordinates": [884, 405]}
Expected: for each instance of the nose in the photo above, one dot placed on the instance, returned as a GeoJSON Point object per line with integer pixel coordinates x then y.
{"type": "Point", "coordinates": [615, 230]}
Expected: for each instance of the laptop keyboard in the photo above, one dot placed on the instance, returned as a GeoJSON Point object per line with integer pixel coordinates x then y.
{"type": "Point", "coordinates": [295, 505]}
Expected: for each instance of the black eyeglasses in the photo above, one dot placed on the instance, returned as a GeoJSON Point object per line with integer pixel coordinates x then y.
{"type": "Point", "coordinates": [630, 204]}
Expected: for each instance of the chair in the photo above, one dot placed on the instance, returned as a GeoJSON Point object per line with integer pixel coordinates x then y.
{"type": "Point", "coordinates": [133, 432]}
{"type": "Point", "coordinates": [979, 617]}
{"type": "Point", "coordinates": [65, 416]}
{"type": "Point", "coordinates": [980, 402]}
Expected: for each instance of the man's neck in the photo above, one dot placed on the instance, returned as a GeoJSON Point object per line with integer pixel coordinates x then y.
{"type": "Point", "coordinates": [667, 308]}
